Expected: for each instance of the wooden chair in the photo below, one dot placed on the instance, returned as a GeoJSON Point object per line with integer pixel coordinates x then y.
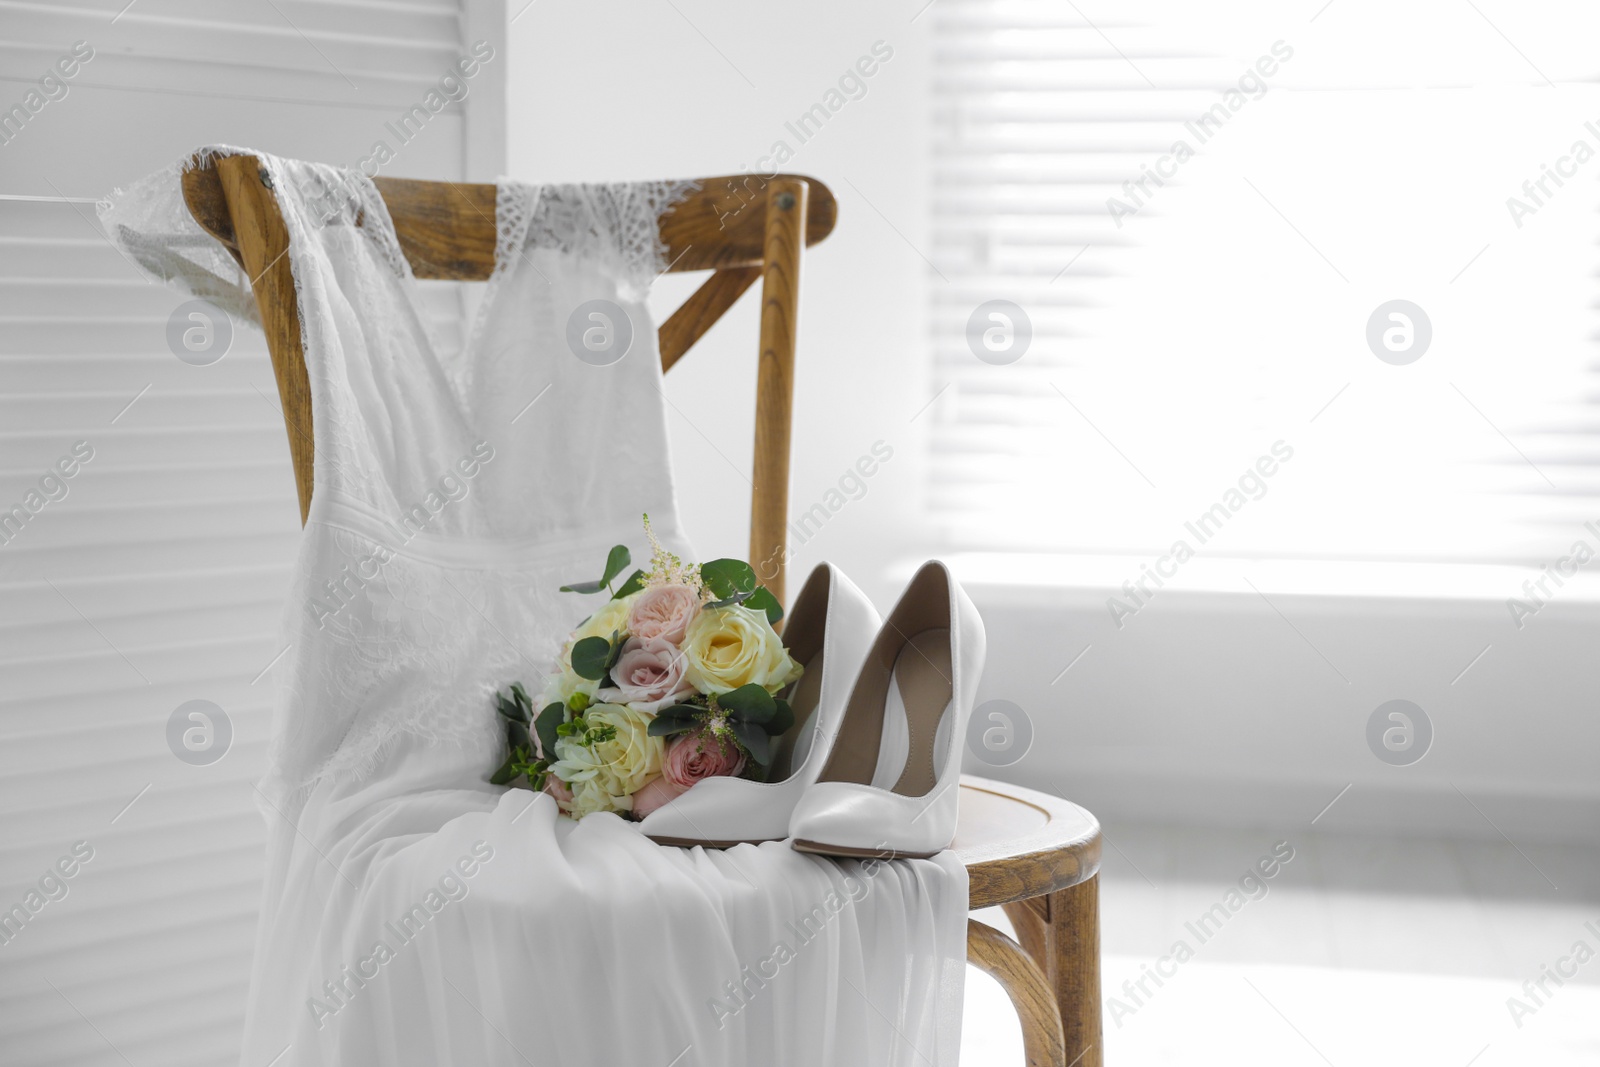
{"type": "Point", "coordinates": [1035, 855]}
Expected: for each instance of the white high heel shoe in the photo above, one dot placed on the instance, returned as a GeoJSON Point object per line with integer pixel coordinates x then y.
{"type": "Point", "coordinates": [830, 627]}
{"type": "Point", "coordinates": [890, 786]}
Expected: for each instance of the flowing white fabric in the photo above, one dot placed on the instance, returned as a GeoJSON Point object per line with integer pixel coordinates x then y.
{"type": "Point", "coordinates": [413, 913]}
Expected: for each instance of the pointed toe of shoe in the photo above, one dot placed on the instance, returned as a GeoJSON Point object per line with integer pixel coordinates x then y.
{"type": "Point", "coordinates": [720, 813]}
{"type": "Point", "coordinates": [847, 819]}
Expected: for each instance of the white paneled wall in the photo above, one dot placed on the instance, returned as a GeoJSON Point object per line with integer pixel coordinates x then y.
{"type": "Point", "coordinates": [157, 577]}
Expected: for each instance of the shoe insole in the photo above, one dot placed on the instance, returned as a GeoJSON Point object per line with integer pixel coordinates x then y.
{"type": "Point", "coordinates": [894, 744]}
{"type": "Point", "coordinates": [794, 746]}
{"type": "Point", "coordinates": [917, 708]}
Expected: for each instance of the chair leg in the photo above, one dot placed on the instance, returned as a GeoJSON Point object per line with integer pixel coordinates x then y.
{"type": "Point", "coordinates": [1004, 960]}
{"type": "Point", "coordinates": [1062, 934]}
{"type": "Point", "coordinates": [1030, 919]}
{"type": "Point", "coordinates": [1073, 945]}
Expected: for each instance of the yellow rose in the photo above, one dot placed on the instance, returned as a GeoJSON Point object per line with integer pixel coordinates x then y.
{"type": "Point", "coordinates": [612, 617]}
{"type": "Point", "coordinates": [604, 776]}
{"type": "Point", "coordinates": [609, 619]}
{"type": "Point", "coordinates": [559, 688]}
{"type": "Point", "coordinates": [734, 646]}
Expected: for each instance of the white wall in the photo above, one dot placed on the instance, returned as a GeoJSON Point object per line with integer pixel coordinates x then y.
{"type": "Point", "coordinates": [1214, 706]}
{"type": "Point", "coordinates": [611, 90]}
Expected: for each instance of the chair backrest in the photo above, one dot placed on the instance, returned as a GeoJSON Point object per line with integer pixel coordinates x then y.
{"type": "Point", "coordinates": [740, 228]}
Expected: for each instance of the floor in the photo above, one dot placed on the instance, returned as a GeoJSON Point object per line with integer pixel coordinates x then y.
{"type": "Point", "coordinates": [1356, 951]}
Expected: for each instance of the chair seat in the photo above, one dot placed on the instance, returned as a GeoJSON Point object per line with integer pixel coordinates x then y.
{"type": "Point", "coordinates": [1018, 843]}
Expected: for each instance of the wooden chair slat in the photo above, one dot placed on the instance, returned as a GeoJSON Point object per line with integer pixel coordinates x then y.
{"type": "Point", "coordinates": [447, 229]}
{"type": "Point", "coordinates": [788, 205]}
{"type": "Point", "coordinates": [700, 312]}
{"type": "Point", "coordinates": [252, 211]}
{"type": "Point", "coordinates": [1026, 984]}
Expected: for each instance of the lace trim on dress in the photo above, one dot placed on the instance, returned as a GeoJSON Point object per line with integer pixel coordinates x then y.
{"type": "Point", "coordinates": [154, 228]}
{"type": "Point", "coordinates": [150, 223]}
{"type": "Point", "coordinates": [617, 225]}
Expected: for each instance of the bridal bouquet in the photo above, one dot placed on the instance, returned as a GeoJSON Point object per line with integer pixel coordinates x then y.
{"type": "Point", "coordinates": [675, 679]}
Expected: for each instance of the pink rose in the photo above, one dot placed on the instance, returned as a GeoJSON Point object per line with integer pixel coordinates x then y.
{"type": "Point", "coordinates": [656, 792]}
{"type": "Point", "coordinates": [698, 755]}
{"type": "Point", "coordinates": [558, 789]}
{"type": "Point", "coordinates": [663, 612]}
{"type": "Point", "coordinates": [649, 675]}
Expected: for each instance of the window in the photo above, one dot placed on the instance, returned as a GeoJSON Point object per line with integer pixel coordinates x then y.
{"type": "Point", "coordinates": [1206, 220]}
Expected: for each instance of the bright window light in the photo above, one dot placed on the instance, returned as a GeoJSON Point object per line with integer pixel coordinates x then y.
{"type": "Point", "coordinates": [1295, 287]}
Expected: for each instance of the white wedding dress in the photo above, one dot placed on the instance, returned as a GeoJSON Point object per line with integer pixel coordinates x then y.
{"type": "Point", "coordinates": [413, 913]}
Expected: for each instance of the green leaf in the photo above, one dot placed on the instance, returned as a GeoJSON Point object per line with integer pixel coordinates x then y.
{"type": "Point", "coordinates": [781, 720]}
{"type": "Point", "coordinates": [505, 774]}
{"type": "Point", "coordinates": [616, 560]}
{"type": "Point", "coordinates": [524, 701]}
{"type": "Point", "coordinates": [664, 727]}
{"type": "Point", "coordinates": [517, 734]}
{"type": "Point", "coordinates": [591, 658]}
{"type": "Point", "coordinates": [511, 710]}
{"type": "Point", "coordinates": [763, 600]}
{"type": "Point", "coordinates": [615, 651]}
{"type": "Point", "coordinates": [583, 587]}
{"type": "Point", "coordinates": [680, 711]}
{"type": "Point", "coordinates": [725, 577]}
{"type": "Point", "coordinates": [754, 739]}
{"type": "Point", "coordinates": [634, 583]}
{"type": "Point", "coordinates": [551, 717]}
{"type": "Point", "coordinates": [750, 703]}
{"type": "Point", "coordinates": [737, 598]}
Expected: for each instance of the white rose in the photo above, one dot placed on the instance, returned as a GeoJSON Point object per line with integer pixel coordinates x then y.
{"type": "Point", "coordinates": [604, 776]}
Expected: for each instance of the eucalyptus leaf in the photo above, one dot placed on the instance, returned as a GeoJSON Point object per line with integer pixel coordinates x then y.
{"type": "Point", "coordinates": [591, 658]}
{"type": "Point", "coordinates": [737, 598]}
{"type": "Point", "coordinates": [583, 587]}
{"type": "Point", "coordinates": [752, 703]}
{"type": "Point", "coordinates": [634, 583]}
{"type": "Point", "coordinates": [781, 720]}
{"type": "Point", "coordinates": [763, 600]}
{"type": "Point", "coordinates": [664, 727]}
{"type": "Point", "coordinates": [524, 701]}
{"type": "Point", "coordinates": [552, 716]}
{"type": "Point", "coordinates": [618, 558]}
{"type": "Point", "coordinates": [755, 741]}
{"type": "Point", "coordinates": [725, 577]}
{"type": "Point", "coordinates": [680, 711]}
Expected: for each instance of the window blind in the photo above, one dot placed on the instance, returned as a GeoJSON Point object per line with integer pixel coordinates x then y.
{"type": "Point", "coordinates": [1202, 215]}
{"type": "Point", "coordinates": [153, 573]}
